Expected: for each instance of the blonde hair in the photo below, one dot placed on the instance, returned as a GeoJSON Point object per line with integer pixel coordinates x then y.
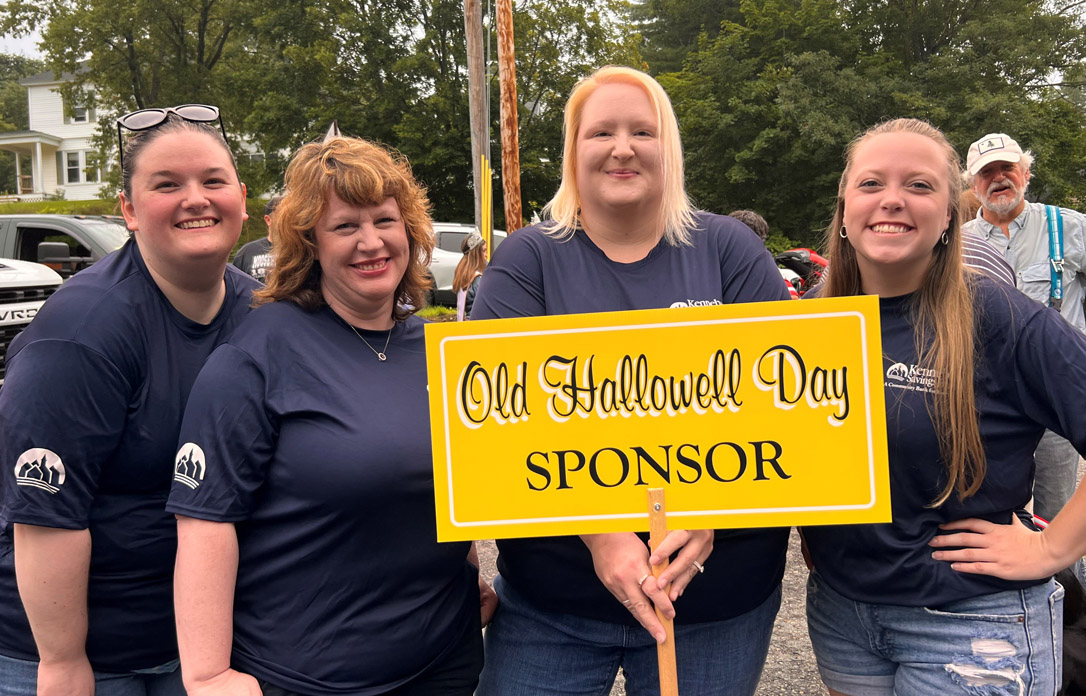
{"type": "Point", "coordinates": [360, 173]}
{"type": "Point", "coordinates": [941, 312]}
{"type": "Point", "coordinates": [676, 216]}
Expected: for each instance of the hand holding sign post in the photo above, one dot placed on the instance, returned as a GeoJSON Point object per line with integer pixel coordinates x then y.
{"type": "Point", "coordinates": [750, 415]}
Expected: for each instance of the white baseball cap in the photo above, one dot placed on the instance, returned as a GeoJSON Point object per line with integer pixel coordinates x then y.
{"type": "Point", "coordinates": [994, 147]}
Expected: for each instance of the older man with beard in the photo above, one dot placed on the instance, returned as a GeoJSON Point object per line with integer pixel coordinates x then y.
{"type": "Point", "coordinates": [1020, 229]}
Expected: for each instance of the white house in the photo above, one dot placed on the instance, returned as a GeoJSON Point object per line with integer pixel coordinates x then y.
{"type": "Point", "coordinates": [61, 154]}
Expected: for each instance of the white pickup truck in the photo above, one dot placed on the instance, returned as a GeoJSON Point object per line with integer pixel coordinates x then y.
{"type": "Point", "coordinates": [24, 287]}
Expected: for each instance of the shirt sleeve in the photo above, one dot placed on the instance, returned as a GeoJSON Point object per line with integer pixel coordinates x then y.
{"type": "Point", "coordinates": [62, 414]}
{"type": "Point", "coordinates": [1050, 357]}
{"type": "Point", "coordinates": [512, 285]}
{"type": "Point", "coordinates": [748, 271]}
{"type": "Point", "coordinates": [226, 442]}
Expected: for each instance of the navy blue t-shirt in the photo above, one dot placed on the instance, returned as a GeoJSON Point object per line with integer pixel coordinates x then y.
{"type": "Point", "coordinates": [532, 274]}
{"type": "Point", "coordinates": [1030, 375]}
{"type": "Point", "coordinates": [320, 454]}
{"type": "Point", "coordinates": [89, 415]}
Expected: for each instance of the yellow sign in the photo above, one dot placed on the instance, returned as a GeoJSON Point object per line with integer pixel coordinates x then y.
{"type": "Point", "coordinates": [749, 415]}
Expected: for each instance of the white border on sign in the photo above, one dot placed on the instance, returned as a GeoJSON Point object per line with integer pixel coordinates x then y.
{"type": "Point", "coordinates": [641, 515]}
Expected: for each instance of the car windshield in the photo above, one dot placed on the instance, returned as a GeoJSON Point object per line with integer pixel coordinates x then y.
{"type": "Point", "coordinates": [111, 234]}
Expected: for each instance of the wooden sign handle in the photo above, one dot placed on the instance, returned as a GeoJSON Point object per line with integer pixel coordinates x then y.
{"type": "Point", "coordinates": [665, 652]}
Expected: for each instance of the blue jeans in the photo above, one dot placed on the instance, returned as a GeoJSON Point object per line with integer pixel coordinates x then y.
{"type": "Point", "coordinates": [1008, 643]}
{"type": "Point", "coordinates": [531, 652]}
{"type": "Point", "coordinates": [20, 678]}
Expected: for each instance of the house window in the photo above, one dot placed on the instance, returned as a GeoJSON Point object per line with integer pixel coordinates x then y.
{"type": "Point", "coordinates": [78, 167]}
{"type": "Point", "coordinates": [73, 167]}
{"type": "Point", "coordinates": [79, 115]}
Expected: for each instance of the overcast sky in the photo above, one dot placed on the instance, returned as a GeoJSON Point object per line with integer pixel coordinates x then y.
{"type": "Point", "coordinates": [24, 46]}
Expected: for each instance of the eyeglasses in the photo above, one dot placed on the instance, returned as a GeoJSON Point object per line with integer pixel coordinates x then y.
{"type": "Point", "coordinates": [146, 119]}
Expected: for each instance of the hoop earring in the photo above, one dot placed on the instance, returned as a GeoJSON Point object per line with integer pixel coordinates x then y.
{"type": "Point", "coordinates": [945, 238]}
{"type": "Point", "coordinates": [842, 233]}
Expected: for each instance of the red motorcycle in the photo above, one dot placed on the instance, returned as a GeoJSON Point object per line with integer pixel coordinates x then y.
{"type": "Point", "coordinates": [808, 264]}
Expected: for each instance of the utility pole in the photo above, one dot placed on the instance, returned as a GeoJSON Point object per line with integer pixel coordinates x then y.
{"type": "Point", "coordinates": [507, 76]}
{"type": "Point", "coordinates": [473, 31]}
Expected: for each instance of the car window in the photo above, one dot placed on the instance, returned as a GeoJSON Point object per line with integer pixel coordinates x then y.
{"type": "Point", "coordinates": [30, 237]}
{"type": "Point", "coordinates": [451, 241]}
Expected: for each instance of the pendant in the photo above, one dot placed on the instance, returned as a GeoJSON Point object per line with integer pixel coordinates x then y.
{"type": "Point", "coordinates": [381, 357]}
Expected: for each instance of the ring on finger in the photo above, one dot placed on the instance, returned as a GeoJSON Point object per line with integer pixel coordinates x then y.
{"type": "Point", "coordinates": [699, 567]}
{"type": "Point", "coordinates": [627, 602]}
{"type": "Point", "coordinates": [643, 579]}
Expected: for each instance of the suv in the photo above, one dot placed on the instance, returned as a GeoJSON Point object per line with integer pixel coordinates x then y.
{"type": "Point", "coordinates": [24, 287]}
{"type": "Point", "coordinates": [446, 256]}
{"type": "Point", "coordinates": [65, 243]}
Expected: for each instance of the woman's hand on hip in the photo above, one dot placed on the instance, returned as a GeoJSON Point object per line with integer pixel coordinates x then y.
{"type": "Point", "coordinates": [228, 683]}
{"type": "Point", "coordinates": [1009, 551]}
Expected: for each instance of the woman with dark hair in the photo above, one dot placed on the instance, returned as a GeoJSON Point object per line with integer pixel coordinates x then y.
{"type": "Point", "coordinates": [989, 370]}
{"type": "Point", "coordinates": [623, 235]}
{"type": "Point", "coordinates": [307, 559]}
{"type": "Point", "coordinates": [468, 272]}
{"type": "Point", "coordinates": [89, 417]}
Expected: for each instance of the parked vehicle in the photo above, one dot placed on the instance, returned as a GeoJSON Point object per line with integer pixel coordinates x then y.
{"type": "Point", "coordinates": [24, 287]}
{"type": "Point", "coordinates": [446, 256]}
{"type": "Point", "coordinates": [65, 243]}
{"type": "Point", "coordinates": [805, 263]}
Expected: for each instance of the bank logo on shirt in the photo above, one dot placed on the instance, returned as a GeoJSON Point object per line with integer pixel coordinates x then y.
{"type": "Point", "coordinates": [911, 377]}
{"type": "Point", "coordinates": [40, 468]}
{"type": "Point", "coordinates": [695, 303]}
{"type": "Point", "coordinates": [188, 467]}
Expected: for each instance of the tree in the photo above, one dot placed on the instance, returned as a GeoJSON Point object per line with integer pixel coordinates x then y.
{"type": "Point", "coordinates": [768, 106]}
{"type": "Point", "coordinates": [13, 108]}
{"type": "Point", "coordinates": [393, 71]}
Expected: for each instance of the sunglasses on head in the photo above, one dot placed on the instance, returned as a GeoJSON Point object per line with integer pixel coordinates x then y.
{"type": "Point", "coordinates": [146, 119]}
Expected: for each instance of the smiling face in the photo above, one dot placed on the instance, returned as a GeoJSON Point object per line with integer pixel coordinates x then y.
{"type": "Point", "coordinates": [618, 152]}
{"type": "Point", "coordinates": [187, 205]}
{"type": "Point", "coordinates": [896, 208]}
{"type": "Point", "coordinates": [363, 252]}
{"type": "Point", "coordinates": [1001, 187]}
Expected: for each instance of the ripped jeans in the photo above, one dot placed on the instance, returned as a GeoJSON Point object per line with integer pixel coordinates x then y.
{"type": "Point", "coordinates": [1008, 643]}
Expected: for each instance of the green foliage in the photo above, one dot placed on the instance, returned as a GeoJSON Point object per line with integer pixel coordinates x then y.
{"type": "Point", "coordinates": [768, 106]}
{"type": "Point", "coordinates": [106, 207]}
{"type": "Point", "coordinates": [13, 109]}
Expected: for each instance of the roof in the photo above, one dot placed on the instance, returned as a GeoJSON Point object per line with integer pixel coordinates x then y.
{"type": "Point", "coordinates": [49, 77]}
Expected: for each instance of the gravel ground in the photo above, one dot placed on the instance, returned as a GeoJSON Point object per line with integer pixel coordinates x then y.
{"type": "Point", "coordinates": [790, 667]}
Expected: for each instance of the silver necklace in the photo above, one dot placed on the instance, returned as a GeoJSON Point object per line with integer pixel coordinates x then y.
{"type": "Point", "coordinates": [380, 356]}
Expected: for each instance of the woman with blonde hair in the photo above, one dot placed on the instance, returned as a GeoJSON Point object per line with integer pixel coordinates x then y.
{"type": "Point", "coordinates": [307, 558]}
{"type": "Point", "coordinates": [622, 235]}
{"type": "Point", "coordinates": [987, 371]}
{"type": "Point", "coordinates": [468, 272]}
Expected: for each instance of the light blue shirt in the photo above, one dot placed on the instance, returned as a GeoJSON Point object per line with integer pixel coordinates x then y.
{"type": "Point", "coordinates": [1027, 251]}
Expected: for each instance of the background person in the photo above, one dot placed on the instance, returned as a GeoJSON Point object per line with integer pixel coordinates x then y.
{"type": "Point", "coordinates": [308, 560]}
{"type": "Point", "coordinates": [623, 235]}
{"type": "Point", "coordinates": [255, 257]}
{"type": "Point", "coordinates": [884, 616]}
{"type": "Point", "coordinates": [468, 272]}
{"type": "Point", "coordinates": [1000, 172]}
{"type": "Point", "coordinates": [89, 417]}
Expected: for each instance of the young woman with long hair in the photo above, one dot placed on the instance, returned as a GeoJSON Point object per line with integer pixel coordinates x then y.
{"type": "Point", "coordinates": [468, 272]}
{"type": "Point", "coordinates": [987, 371]}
